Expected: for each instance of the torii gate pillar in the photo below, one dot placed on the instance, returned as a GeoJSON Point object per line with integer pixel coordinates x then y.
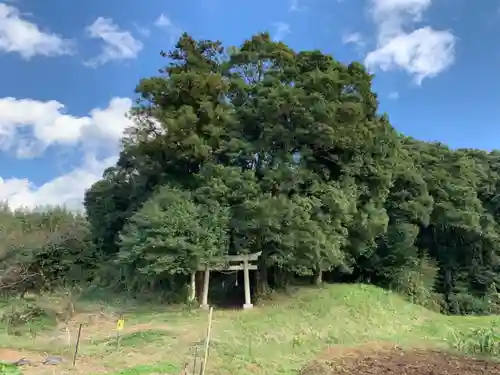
{"type": "Point", "coordinates": [246, 278]}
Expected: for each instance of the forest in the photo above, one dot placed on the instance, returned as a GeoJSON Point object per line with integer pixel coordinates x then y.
{"type": "Point", "coordinates": [262, 148]}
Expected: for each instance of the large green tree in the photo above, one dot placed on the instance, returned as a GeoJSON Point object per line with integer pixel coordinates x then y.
{"type": "Point", "coordinates": [285, 152]}
{"type": "Point", "coordinates": [170, 236]}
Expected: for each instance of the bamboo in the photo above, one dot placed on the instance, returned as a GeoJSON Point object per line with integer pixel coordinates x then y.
{"type": "Point", "coordinates": [207, 342]}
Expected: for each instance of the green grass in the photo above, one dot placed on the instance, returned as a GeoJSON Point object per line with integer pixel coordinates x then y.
{"type": "Point", "coordinates": [158, 368]}
{"type": "Point", "coordinates": [277, 338]}
{"type": "Point", "coordinates": [8, 369]}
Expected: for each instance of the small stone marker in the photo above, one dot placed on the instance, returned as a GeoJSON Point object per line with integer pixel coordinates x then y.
{"type": "Point", "coordinates": [53, 360]}
{"type": "Point", "coordinates": [22, 362]}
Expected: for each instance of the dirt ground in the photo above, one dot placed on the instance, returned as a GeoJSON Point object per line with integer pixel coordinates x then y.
{"type": "Point", "coordinates": [7, 355]}
{"type": "Point", "coordinates": [96, 328]}
{"type": "Point", "coordinates": [397, 361]}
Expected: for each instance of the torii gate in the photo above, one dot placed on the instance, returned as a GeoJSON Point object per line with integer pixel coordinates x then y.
{"type": "Point", "coordinates": [244, 264]}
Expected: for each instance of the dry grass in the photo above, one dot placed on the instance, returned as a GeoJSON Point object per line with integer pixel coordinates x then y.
{"type": "Point", "coordinates": [276, 338]}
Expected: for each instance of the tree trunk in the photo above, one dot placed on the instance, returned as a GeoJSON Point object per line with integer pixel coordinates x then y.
{"type": "Point", "coordinates": [199, 286]}
{"type": "Point", "coordinates": [263, 285]}
{"type": "Point", "coordinates": [318, 276]}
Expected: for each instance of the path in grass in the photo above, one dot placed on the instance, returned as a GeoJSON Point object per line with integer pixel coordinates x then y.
{"type": "Point", "coordinates": [279, 337]}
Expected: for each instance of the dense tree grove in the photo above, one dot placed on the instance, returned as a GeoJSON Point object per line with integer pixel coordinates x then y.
{"type": "Point", "coordinates": [44, 249]}
{"type": "Point", "coordinates": [262, 148]}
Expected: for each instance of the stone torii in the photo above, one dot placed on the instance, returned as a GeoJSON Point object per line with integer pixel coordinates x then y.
{"type": "Point", "coordinates": [234, 263]}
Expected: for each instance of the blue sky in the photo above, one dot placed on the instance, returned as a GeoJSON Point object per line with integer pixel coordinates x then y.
{"type": "Point", "coordinates": [69, 70]}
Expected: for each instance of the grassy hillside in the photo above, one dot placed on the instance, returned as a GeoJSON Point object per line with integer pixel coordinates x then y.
{"type": "Point", "coordinates": [277, 338]}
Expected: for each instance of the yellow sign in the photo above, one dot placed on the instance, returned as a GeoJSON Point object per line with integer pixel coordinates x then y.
{"type": "Point", "coordinates": [120, 324]}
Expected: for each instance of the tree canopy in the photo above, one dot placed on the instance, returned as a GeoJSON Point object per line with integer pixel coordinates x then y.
{"type": "Point", "coordinates": [263, 148]}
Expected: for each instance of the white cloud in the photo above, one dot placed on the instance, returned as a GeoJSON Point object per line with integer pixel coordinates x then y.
{"type": "Point", "coordinates": [97, 133]}
{"type": "Point", "coordinates": [144, 31]}
{"type": "Point", "coordinates": [282, 29]}
{"type": "Point", "coordinates": [65, 190]}
{"type": "Point", "coordinates": [165, 23]}
{"type": "Point", "coordinates": [18, 35]}
{"type": "Point", "coordinates": [353, 38]}
{"type": "Point", "coordinates": [423, 53]}
{"type": "Point", "coordinates": [28, 127]}
{"type": "Point", "coordinates": [294, 6]}
{"type": "Point", "coordinates": [394, 95]}
{"type": "Point", "coordinates": [119, 45]}
{"type": "Point", "coordinates": [357, 40]}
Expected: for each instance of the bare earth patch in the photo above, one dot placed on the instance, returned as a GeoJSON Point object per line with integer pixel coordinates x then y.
{"type": "Point", "coordinates": [397, 361]}
{"type": "Point", "coordinates": [9, 355]}
{"type": "Point", "coordinates": [96, 327]}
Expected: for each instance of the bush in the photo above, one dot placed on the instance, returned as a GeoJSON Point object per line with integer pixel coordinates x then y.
{"type": "Point", "coordinates": [9, 369]}
{"type": "Point", "coordinates": [417, 285]}
{"type": "Point", "coordinates": [23, 316]}
{"type": "Point", "coordinates": [480, 341]}
{"type": "Point", "coordinates": [44, 250]}
{"type": "Point", "coordinates": [22, 313]}
{"type": "Point", "coordinates": [468, 304]}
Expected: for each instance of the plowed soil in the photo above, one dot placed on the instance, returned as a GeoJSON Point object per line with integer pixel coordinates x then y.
{"type": "Point", "coordinates": [399, 362]}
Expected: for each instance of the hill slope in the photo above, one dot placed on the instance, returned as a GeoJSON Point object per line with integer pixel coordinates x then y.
{"type": "Point", "coordinates": [278, 337]}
